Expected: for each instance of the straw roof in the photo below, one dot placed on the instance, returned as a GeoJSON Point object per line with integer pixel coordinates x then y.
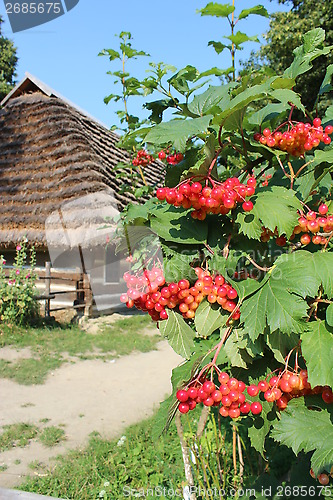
{"type": "Point", "coordinates": [52, 153]}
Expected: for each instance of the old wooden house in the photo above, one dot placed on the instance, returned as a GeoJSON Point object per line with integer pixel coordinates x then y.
{"type": "Point", "coordinates": [58, 185]}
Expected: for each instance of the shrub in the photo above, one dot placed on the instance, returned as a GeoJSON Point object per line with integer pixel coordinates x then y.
{"type": "Point", "coordinates": [18, 302]}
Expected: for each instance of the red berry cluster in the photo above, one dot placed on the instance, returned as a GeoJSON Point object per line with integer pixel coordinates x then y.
{"type": "Point", "coordinates": [147, 293]}
{"type": "Point", "coordinates": [267, 234]}
{"type": "Point", "coordinates": [299, 137]}
{"type": "Point", "coordinates": [287, 385]}
{"type": "Point", "coordinates": [142, 158]}
{"type": "Point", "coordinates": [229, 396]}
{"type": "Point", "coordinates": [314, 223]}
{"type": "Point", "coordinates": [265, 180]}
{"type": "Point", "coordinates": [173, 159]}
{"type": "Point", "coordinates": [218, 199]}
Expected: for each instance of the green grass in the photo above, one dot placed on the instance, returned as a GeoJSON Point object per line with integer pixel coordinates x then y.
{"type": "Point", "coordinates": [51, 436]}
{"type": "Point", "coordinates": [17, 435]}
{"type": "Point", "coordinates": [136, 462]}
{"type": "Point", "coordinates": [21, 434]}
{"type": "Point", "coordinates": [51, 344]}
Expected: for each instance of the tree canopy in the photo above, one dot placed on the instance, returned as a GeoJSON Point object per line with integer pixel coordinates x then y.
{"type": "Point", "coordinates": [285, 34]}
{"type": "Point", "coordinates": [8, 62]}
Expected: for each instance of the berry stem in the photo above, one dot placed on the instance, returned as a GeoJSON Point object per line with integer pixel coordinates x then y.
{"type": "Point", "coordinates": [265, 269]}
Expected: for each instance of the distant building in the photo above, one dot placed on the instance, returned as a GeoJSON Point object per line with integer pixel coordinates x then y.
{"type": "Point", "coordinates": [58, 183]}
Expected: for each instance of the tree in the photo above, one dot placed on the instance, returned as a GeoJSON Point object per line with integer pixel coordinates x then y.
{"type": "Point", "coordinates": [8, 62]}
{"type": "Point", "coordinates": [285, 34]}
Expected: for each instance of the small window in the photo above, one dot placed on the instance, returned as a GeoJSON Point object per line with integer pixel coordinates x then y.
{"type": "Point", "coordinates": [112, 265]}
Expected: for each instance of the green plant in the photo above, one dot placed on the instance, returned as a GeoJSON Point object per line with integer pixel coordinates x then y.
{"type": "Point", "coordinates": [18, 302]}
{"type": "Point", "coordinates": [234, 285]}
{"type": "Point", "coordinates": [17, 435]}
{"type": "Point", "coordinates": [51, 436]}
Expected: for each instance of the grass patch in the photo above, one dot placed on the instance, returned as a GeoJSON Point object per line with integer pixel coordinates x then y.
{"type": "Point", "coordinates": [51, 343]}
{"type": "Point", "coordinates": [3, 468]}
{"type": "Point", "coordinates": [135, 461]}
{"type": "Point", "coordinates": [51, 436]}
{"type": "Point", "coordinates": [17, 435]}
{"type": "Point", "coordinates": [21, 434]}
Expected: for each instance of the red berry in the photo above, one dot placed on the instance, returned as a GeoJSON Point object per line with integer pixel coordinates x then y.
{"type": "Point", "coordinates": [273, 381]}
{"type": "Point", "coordinates": [247, 206]}
{"type": "Point", "coordinates": [208, 387]}
{"type": "Point", "coordinates": [245, 408]}
{"type": "Point", "coordinates": [208, 401]}
{"type": "Point", "coordinates": [263, 385]}
{"type": "Point", "coordinates": [191, 404]}
{"type": "Point", "coordinates": [183, 407]}
{"type": "Point", "coordinates": [223, 378]}
{"type": "Point", "coordinates": [161, 155]}
{"type": "Point", "coordinates": [182, 395]}
{"type": "Point", "coordinates": [323, 209]}
{"type": "Point", "coordinates": [234, 412]}
{"type": "Point", "coordinates": [196, 187]}
{"type": "Point", "coordinates": [317, 122]}
{"type": "Point", "coordinates": [256, 408]}
{"type": "Point", "coordinates": [241, 386]}
{"type": "Point", "coordinates": [192, 392]}
{"type": "Point", "coordinates": [253, 390]}
{"type": "Point", "coordinates": [327, 396]}
{"type": "Point", "coordinates": [323, 479]}
{"type": "Point", "coordinates": [232, 383]}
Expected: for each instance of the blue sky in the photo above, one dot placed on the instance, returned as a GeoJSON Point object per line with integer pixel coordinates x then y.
{"type": "Point", "coordinates": [63, 53]}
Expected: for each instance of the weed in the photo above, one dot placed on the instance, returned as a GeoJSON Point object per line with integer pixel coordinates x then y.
{"type": "Point", "coordinates": [51, 436]}
{"type": "Point", "coordinates": [17, 435]}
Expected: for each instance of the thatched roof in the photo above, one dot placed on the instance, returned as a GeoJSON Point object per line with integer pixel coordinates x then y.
{"type": "Point", "coordinates": [52, 153]}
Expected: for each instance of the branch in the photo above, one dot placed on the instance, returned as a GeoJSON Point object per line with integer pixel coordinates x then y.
{"type": "Point", "coordinates": [186, 456]}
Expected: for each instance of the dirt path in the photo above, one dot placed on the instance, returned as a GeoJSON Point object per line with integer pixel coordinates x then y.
{"type": "Point", "coordinates": [84, 397]}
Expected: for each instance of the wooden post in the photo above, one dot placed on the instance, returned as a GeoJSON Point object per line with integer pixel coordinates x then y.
{"type": "Point", "coordinates": [47, 288]}
{"type": "Point", "coordinates": [88, 296]}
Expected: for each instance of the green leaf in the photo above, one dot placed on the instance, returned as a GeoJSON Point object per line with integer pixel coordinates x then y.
{"type": "Point", "coordinates": [208, 317]}
{"type": "Point", "coordinates": [184, 75]}
{"type": "Point", "coordinates": [303, 272]}
{"type": "Point", "coordinates": [326, 85]}
{"type": "Point", "coordinates": [233, 347]}
{"type": "Point", "coordinates": [281, 344]}
{"type": "Point", "coordinates": [259, 10]}
{"type": "Point", "coordinates": [112, 54]}
{"type": "Point", "coordinates": [178, 333]}
{"type": "Point", "coordinates": [268, 112]}
{"type": "Point", "coordinates": [303, 55]}
{"type": "Point", "coordinates": [239, 38]}
{"type": "Point", "coordinates": [176, 262]}
{"type": "Point", "coordinates": [250, 225]}
{"type": "Point", "coordinates": [173, 224]}
{"type": "Point", "coordinates": [317, 349]}
{"type": "Point", "coordinates": [273, 304]}
{"type": "Point", "coordinates": [303, 429]}
{"type": "Point", "coordinates": [216, 9]}
{"type": "Point", "coordinates": [177, 132]}
{"type": "Point", "coordinates": [329, 316]}
{"type": "Point", "coordinates": [219, 46]}
{"type": "Point", "coordinates": [286, 96]}
{"type": "Point", "coordinates": [203, 104]}
{"type": "Point", "coordinates": [277, 208]}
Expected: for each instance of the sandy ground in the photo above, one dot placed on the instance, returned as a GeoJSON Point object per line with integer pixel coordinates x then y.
{"type": "Point", "coordinates": [83, 397]}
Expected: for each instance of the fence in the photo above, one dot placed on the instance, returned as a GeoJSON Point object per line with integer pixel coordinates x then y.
{"type": "Point", "coordinates": [62, 289]}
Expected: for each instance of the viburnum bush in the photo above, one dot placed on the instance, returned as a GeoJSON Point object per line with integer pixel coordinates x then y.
{"type": "Point", "coordinates": [239, 277]}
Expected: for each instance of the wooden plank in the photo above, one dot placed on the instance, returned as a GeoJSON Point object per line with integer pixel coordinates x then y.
{"type": "Point", "coordinates": [20, 495]}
